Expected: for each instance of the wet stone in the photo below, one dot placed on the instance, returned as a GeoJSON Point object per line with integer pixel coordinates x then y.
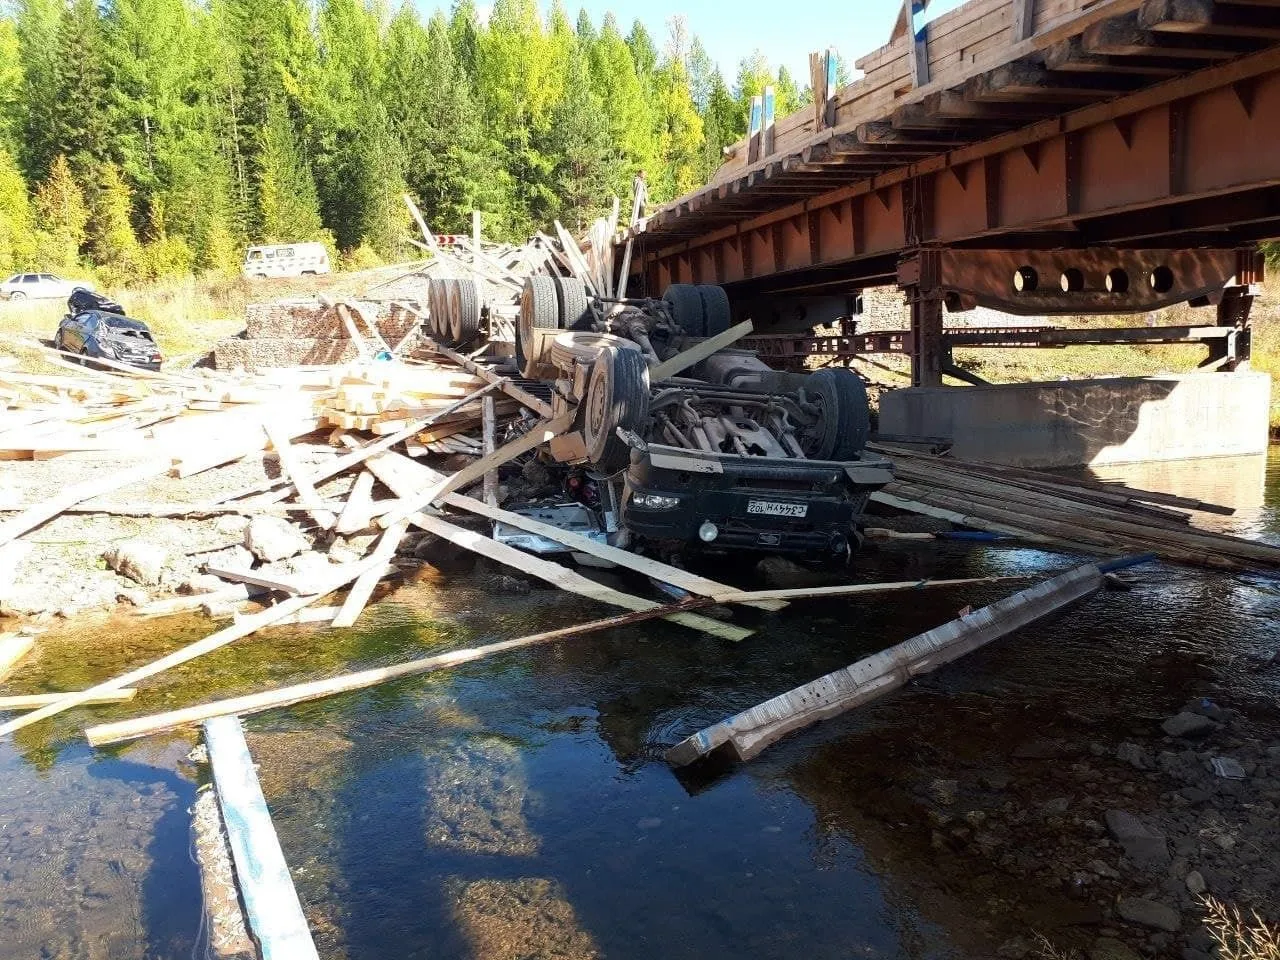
{"type": "Point", "coordinates": [1188, 725]}
{"type": "Point", "coordinates": [944, 792]}
{"type": "Point", "coordinates": [1107, 948]}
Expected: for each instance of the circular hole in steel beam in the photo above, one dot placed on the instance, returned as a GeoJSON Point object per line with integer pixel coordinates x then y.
{"type": "Point", "coordinates": [1025, 280]}
{"type": "Point", "coordinates": [1161, 279]}
{"type": "Point", "coordinates": [1118, 280]}
{"type": "Point", "coordinates": [1072, 280]}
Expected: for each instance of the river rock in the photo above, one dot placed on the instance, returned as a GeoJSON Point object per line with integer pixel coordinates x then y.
{"type": "Point", "coordinates": [1149, 913]}
{"type": "Point", "coordinates": [1143, 845]}
{"type": "Point", "coordinates": [1188, 725]}
{"type": "Point", "coordinates": [1133, 755]}
{"type": "Point", "coordinates": [1195, 883]}
{"type": "Point", "coordinates": [1107, 948]}
{"type": "Point", "coordinates": [139, 560]}
{"type": "Point", "coordinates": [270, 539]}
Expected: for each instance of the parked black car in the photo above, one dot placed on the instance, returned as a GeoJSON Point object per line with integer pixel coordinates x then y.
{"type": "Point", "coordinates": [99, 334]}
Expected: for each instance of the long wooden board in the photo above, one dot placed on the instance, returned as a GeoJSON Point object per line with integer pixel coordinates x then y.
{"type": "Point", "coordinates": [750, 732]}
{"type": "Point", "coordinates": [32, 701]}
{"type": "Point", "coordinates": [275, 913]}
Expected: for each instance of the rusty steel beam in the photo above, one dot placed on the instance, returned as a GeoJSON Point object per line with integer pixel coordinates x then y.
{"type": "Point", "coordinates": [1194, 142]}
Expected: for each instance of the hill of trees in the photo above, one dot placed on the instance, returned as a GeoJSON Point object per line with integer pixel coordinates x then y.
{"type": "Point", "coordinates": [147, 138]}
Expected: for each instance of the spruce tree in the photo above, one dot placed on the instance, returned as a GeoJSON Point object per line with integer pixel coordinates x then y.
{"type": "Point", "coordinates": [112, 243]}
{"type": "Point", "coordinates": [79, 120]}
{"type": "Point", "coordinates": [288, 208]}
{"type": "Point", "coordinates": [37, 24]}
{"type": "Point", "coordinates": [579, 141]}
{"type": "Point", "coordinates": [62, 215]}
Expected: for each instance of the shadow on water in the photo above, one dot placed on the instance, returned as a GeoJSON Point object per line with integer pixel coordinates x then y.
{"type": "Point", "coordinates": [170, 894]}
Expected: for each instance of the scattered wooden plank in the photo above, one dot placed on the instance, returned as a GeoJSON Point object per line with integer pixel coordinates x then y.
{"type": "Point", "coordinates": [536, 437]}
{"type": "Point", "coordinates": [13, 648]}
{"type": "Point", "coordinates": [215, 641]}
{"type": "Point", "coordinates": [278, 584]}
{"type": "Point", "coordinates": [565, 578]}
{"type": "Point", "coordinates": [623, 558]}
{"type": "Point", "coordinates": [489, 438]}
{"type": "Point", "coordinates": [358, 513]}
{"type": "Point", "coordinates": [68, 496]}
{"type": "Point", "coordinates": [294, 471]}
{"type": "Point", "coordinates": [699, 352]}
{"type": "Point", "coordinates": [536, 404]}
{"type": "Point", "coordinates": [750, 732]}
{"type": "Point", "coordinates": [31, 701]}
{"type": "Point", "coordinates": [362, 589]}
{"type": "Point", "coordinates": [299, 693]}
{"type": "Point", "coordinates": [275, 914]}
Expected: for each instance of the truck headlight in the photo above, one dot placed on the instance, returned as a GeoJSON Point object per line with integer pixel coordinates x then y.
{"type": "Point", "coordinates": [654, 501]}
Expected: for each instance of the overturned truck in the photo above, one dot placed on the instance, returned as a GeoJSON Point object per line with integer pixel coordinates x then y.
{"type": "Point", "coordinates": [724, 455]}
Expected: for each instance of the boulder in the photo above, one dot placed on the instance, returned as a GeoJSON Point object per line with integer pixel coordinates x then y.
{"type": "Point", "coordinates": [1143, 845]}
{"type": "Point", "coordinates": [1133, 755]}
{"type": "Point", "coordinates": [1149, 913]}
{"type": "Point", "coordinates": [139, 560]}
{"type": "Point", "coordinates": [1188, 725]}
{"type": "Point", "coordinates": [1195, 882]}
{"type": "Point", "coordinates": [270, 539]}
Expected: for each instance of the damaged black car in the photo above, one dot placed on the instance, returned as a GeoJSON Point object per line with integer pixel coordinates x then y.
{"type": "Point", "coordinates": [94, 331]}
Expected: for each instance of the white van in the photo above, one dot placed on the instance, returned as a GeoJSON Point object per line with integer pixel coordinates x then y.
{"type": "Point", "coordinates": [286, 260]}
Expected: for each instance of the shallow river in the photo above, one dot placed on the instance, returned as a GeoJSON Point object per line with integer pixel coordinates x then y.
{"type": "Point", "coordinates": [519, 807]}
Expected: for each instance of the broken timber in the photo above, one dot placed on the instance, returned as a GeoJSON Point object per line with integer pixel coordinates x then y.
{"type": "Point", "coordinates": [122, 730]}
{"type": "Point", "coordinates": [275, 914]}
{"type": "Point", "coordinates": [750, 732]}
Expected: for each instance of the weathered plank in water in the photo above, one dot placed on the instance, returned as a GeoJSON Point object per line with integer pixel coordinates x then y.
{"type": "Point", "coordinates": [275, 914]}
{"type": "Point", "coordinates": [751, 731]}
{"type": "Point", "coordinates": [33, 701]}
{"type": "Point", "coordinates": [318, 689]}
{"type": "Point", "coordinates": [215, 641]}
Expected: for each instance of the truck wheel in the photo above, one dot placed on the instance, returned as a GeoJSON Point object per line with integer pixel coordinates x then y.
{"type": "Point", "coordinates": [617, 396]}
{"type": "Point", "coordinates": [575, 311]}
{"type": "Point", "coordinates": [844, 416]}
{"type": "Point", "coordinates": [441, 291]}
{"type": "Point", "coordinates": [686, 308]}
{"type": "Point", "coordinates": [464, 311]}
{"type": "Point", "coordinates": [539, 310]}
{"type": "Point", "coordinates": [569, 348]}
{"type": "Point", "coordinates": [717, 317]}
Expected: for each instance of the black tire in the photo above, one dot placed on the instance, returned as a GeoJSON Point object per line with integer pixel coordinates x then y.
{"type": "Point", "coordinates": [464, 313]}
{"type": "Point", "coordinates": [575, 310]}
{"type": "Point", "coordinates": [686, 308]}
{"type": "Point", "coordinates": [539, 310]}
{"type": "Point", "coordinates": [844, 422]}
{"type": "Point", "coordinates": [617, 396]}
{"type": "Point", "coordinates": [717, 317]}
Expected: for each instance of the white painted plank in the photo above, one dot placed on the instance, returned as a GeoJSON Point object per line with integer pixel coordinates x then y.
{"type": "Point", "coordinates": [275, 914]}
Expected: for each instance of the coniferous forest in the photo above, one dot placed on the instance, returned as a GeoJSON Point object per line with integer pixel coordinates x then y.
{"type": "Point", "coordinates": [143, 139]}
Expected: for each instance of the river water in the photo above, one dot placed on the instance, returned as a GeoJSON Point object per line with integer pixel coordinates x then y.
{"type": "Point", "coordinates": [519, 806]}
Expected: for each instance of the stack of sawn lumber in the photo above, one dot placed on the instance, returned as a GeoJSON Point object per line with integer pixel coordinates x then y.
{"type": "Point", "coordinates": [1053, 509]}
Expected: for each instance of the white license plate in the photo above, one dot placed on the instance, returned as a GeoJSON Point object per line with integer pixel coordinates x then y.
{"type": "Point", "coordinates": [771, 508]}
